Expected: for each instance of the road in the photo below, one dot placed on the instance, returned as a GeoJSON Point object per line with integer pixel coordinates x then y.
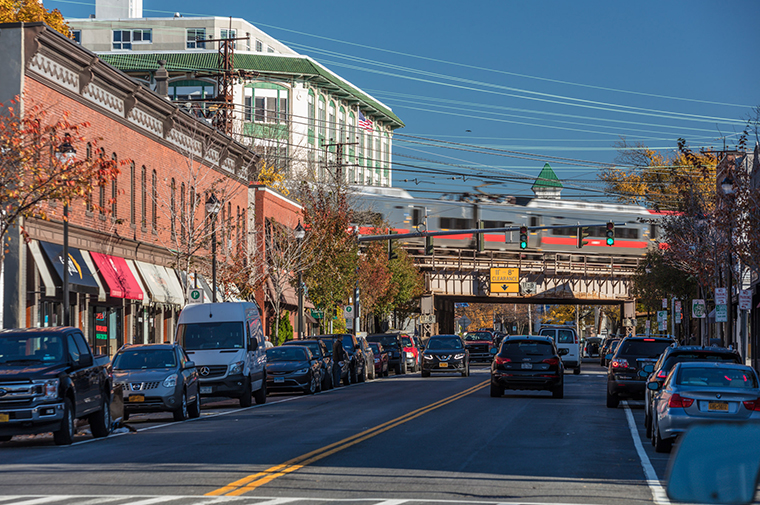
{"type": "Point", "coordinates": [397, 440]}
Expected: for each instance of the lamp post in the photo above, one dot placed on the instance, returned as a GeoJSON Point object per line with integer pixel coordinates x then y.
{"type": "Point", "coordinates": [212, 208]}
{"type": "Point", "coordinates": [728, 189]}
{"type": "Point", "coordinates": [300, 234]}
{"type": "Point", "coordinates": [65, 154]}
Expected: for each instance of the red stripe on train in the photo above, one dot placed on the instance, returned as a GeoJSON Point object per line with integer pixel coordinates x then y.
{"type": "Point", "coordinates": [635, 244]}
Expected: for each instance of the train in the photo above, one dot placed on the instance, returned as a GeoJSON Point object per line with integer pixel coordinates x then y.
{"type": "Point", "coordinates": [404, 214]}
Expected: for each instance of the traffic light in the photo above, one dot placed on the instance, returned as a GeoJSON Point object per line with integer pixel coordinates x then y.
{"type": "Point", "coordinates": [523, 237]}
{"type": "Point", "coordinates": [481, 238]}
{"type": "Point", "coordinates": [610, 233]}
{"type": "Point", "coordinates": [581, 234]}
{"type": "Point", "coordinates": [428, 246]}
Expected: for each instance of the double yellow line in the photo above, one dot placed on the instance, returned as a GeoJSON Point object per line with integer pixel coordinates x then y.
{"type": "Point", "coordinates": [251, 482]}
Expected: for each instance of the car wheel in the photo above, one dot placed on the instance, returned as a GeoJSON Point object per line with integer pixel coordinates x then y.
{"type": "Point", "coordinates": [100, 421]}
{"type": "Point", "coordinates": [354, 375]}
{"type": "Point", "coordinates": [245, 397]}
{"type": "Point", "coordinates": [311, 387]}
{"type": "Point", "coordinates": [577, 370]}
{"type": "Point", "coordinates": [398, 370]}
{"type": "Point", "coordinates": [648, 424]}
{"type": "Point", "coordinates": [347, 379]}
{"type": "Point", "coordinates": [558, 391]}
{"type": "Point", "coordinates": [387, 372]}
{"type": "Point", "coordinates": [612, 401]}
{"type": "Point", "coordinates": [65, 436]}
{"type": "Point", "coordinates": [195, 408]}
{"type": "Point", "coordinates": [181, 413]}
{"type": "Point", "coordinates": [260, 396]}
{"type": "Point", "coordinates": [661, 445]}
{"type": "Point", "coordinates": [125, 416]}
{"type": "Point", "coordinates": [5, 438]}
{"type": "Point", "coordinates": [496, 390]}
{"type": "Point", "coordinates": [425, 373]}
{"type": "Point", "coordinates": [363, 375]}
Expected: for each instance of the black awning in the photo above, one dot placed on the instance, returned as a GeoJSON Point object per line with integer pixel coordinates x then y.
{"type": "Point", "coordinates": [81, 279]}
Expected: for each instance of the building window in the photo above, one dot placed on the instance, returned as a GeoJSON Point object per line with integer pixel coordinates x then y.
{"type": "Point", "coordinates": [114, 189]}
{"type": "Point", "coordinates": [312, 117]}
{"type": "Point", "coordinates": [259, 46]}
{"type": "Point", "coordinates": [102, 195]}
{"type": "Point", "coordinates": [322, 119]}
{"type": "Point", "coordinates": [270, 49]}
{"type": "Point", "coordinates": [76, 35]}
{"type": "Point", "coordinates": [124, 39]}
{"type": "Point", "coordinates": [248, 108]}
{"type": "Point", "coordinates": [88, 157]}
{"type": "Point", "coordinates": [331, 121]}
{"type": "Point", "coordinates": [144, 193]}
{"type": "Point", "coordinates": [174, 209]}
{"type": "Point", "coordinates": [132, 193]}
{"type": "Point", "coordinates": [195, 36]}
{"type": "Point", "coordinates": [154, 203]}
{"type": "Point", "coordinates": [229, 34]}
{"type": "Point", "coordinates": [182, 213]}
{"type": "Point", "coordinates": [247, 41]}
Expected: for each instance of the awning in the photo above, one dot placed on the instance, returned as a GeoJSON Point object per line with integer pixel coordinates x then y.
{"type": "Point", "coordinates": [288, 296]}
{"type": "Point", "coordinates": [118, 276]}
{"type": "Point", "coordinates": [91, 265]}
{"type": "Point", "coordinates": [308, 317]}
{"type": "Point", "coordinates": [136, 275]}
{"type": "Point", "coordinates": [81, 279]}
{"type": "Point", "coordinates": [162, 284]}
{"type": "Point", "coordinates": [39, 260]}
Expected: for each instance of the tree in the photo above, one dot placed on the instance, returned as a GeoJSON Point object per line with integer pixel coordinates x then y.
{"type": "Point", "coordinates": [39, 165]}
{"type": "Point", "coordinates": [284, 329]}
{"type": "Point", "coordinates": [29, 11]}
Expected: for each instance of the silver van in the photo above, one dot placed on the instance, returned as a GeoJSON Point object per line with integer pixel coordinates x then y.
{"type": "Point", "coordinates": [226, 342]}
{"type": "Point", "coordinates": [565, 337]}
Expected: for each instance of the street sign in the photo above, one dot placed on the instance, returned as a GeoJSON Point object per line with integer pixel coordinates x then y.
{"type": "Point", "coordinates": [721, 313]}
{"type": "Point", "coordinates": [317, 314]}
{"type": "Point", "coordinates": [505, 275]}
{"type": "Point", "coordinates": [648, 327]}
{"type": "Point", "coordinates": [662, 325]}
{"type": "Point", "coordinates": [664, 303]}
{"type": "Point", "coordinates": [721, 296]}
{"type": "Point", "coordinates": [678, 311]}
{"type": "Point", "coordinates": [529, 288]}
{"type": "Point", "coordinates": [505, 287]}
{"type": "Point", "coordinates": [698, 309]}
{"type": "Point", "coordinates": [745, 299]}
{"type": "Point", "coordinates": [662, 316]}
{"type": "Point", "coordinates": [350, 323]}
{"type": "Point", "coordinates": [348, 312]}
{"type": "Point", "coordinates": [196, 296]}
{"type": "Point", "coordinates": [430, 319]}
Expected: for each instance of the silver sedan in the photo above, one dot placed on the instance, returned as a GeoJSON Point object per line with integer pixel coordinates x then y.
{"type": "Point", "coordinates": [695, 392]}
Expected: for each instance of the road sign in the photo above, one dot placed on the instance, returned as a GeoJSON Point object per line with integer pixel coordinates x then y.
{"type": "Point", "coordinates": [745, 299]}
{"type": "Point", "coordinates": [317, 314]}
{"type": "Point", "coordinates": [348, 311]}
{"type": "Point", "coordinates": [529, 288]}
{"type": "Point", "coordinates": [721, 313]}
{"type": "Point", "coordinates": [430, 319]}
{"type": "Point", "coordinates": [664, 303]}
{"type": "Point", "coordinates": [503, 275]}
{"type": "Point", "coordinates": [721, 296]}
{"type": "Point", "coordinates": [505, 287]}
{"type": "Point", "coordinates": [196, 296]}
{"type": "Point", "coordinates": [698, 309]}
{"type": "Point", "coordinates": [678, 310]}
{"type": "Point", "coordinates": [662, 315]}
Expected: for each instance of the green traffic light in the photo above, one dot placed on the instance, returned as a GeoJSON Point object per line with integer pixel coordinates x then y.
{"type": "Point", "coordinates": [610, 241]}
{"type": "Point", "coordinates": [523, 245]}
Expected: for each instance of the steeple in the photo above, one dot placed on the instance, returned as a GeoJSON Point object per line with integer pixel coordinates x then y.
{"type": "Point", "coordinates": [547, 184]}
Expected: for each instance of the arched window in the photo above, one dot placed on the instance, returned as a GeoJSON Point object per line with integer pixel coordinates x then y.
{"type": "Point", "coordinates": [154, 203]}
{"type": "Point", "coordinates": [223, 222]}
{"type": "Point", "coordinates": [312, 117]}
{"type": "Point", "coordinates": [342, 125]}
{"type": "Point", "coordinates": [238, 231]}
{"type": "Point", "coordinates": [322, 119]}
{"type": "Point", "coordinates": [114, 188]}
{"type": "Point", "coordinates": [229, 225]}
{"type": "Point", "coordinates": [102, 195]}
{"type": "Point", "coordinates": [132, 182]}
{"type": "Point", "coordinates": [144, 193]}
{"type": "Point", "coordinates": [182, 213]}
{"type": "Point", "coordinates": [331, 122]}
{"type": "Point", "coordinates": [174, 209]}
{"type": "Point", "coordinates": [88, 157]}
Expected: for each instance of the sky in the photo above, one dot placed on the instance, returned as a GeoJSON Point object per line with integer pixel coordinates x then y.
{"type": "Point", "coordinates": [529, 82]}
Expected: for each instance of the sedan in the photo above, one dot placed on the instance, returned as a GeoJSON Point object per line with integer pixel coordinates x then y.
{"type": "Point", "coordinates": [320, 352]}
{"type": "Point", "coordinates": [156, 378]}
{"type": "Point", "coordinates": [381, 359]}
{"type": "Point", "coordinates": [293, 368]}
{"type": "Point", "coordinates": [445, 353]}
{"type": "Point", "coordinates": [528, 362]}
{"type": "Point", "coordinates": [695, 392]}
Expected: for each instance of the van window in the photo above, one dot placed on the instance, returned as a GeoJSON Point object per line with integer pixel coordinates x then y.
{"type": "Point", "coordinates": [565, 337]}
{"type": "Point", "coordinates": [222, 335]}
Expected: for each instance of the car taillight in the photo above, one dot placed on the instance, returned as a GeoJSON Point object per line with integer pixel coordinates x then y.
{"type": "Point", "coordinates": [662, 375]}
{"type": "Point", "coordinates": [551, 361]}
{"type": "Point", "coordinates": [500, 361]}
{"type": "Point", "coordinates": [752, 404]}
{"type": "Point", "coordinates": [576, 338]}
{"type": "Point", "coordinates": [679, 402]}
{"type": "Point", "coordinates": [619, 363]}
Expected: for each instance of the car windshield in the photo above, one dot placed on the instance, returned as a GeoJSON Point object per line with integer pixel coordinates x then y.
{"type": "Point", "coordinates": [311, 344]}
{"type": "Point", "coordinates": [387, 341]}
{"type": "Point", "coordinates": [444, 344]}
{"type": "Point", "coordinates": [735, 378]}
{"type": "Point", "coordinates": [140, 359]}
{"type": "Point", "coordinates": [698, 356]}
{"type": "Point", "coordinates": [565, 337]}
{"type": "Point", "coordinates": [348, 343]}
{"type": "Point", "coordinates": [643, 348]}
{"type": "Point", "coordinates": [526, 348]}
{"type": "Point", "coordinates": [614, 344]}
{"type": "Point", "coordinates": [31, 348]}
{"type": "Point", "coordinates": [286, 353]}
{"type": "Point", "coordinates": [201, 336]}
{"type": "Point", "coordinates": [406, 341]}
{"type": "Point", "coordinates": [375, 347]}
{"type": "Point", "coordinates": [471, 336]}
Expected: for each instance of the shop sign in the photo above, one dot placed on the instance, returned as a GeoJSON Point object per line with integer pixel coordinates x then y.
{"type": "Point", "coordinates": [101, 325]}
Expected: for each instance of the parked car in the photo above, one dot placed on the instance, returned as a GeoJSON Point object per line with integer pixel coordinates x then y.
{"type": "Point", "coordinates": [411, 353]}
{"type": "Point", "coordinates": [393, 345]}
{"type": "Point", "coordinates": [565, 337]}
{"type": "Point", "coordinates": [592, 346]}
{"type": "Point", "coordinates": [479, 344]}
{"type": "Point", "coordinates": [320, 352]}
{"type": "Point", "coordinates": [528, 362]}
{"type": "Point", "coordinates": [445, 353]}
{"type": "Point", "coordinates": [381, 359]}
{"type": "Point", "coordinates": [157, 378]}
{"type": "Point", "coordinates": [369, 357]}
{"type": "Point", "coordinates": [293, 368]}
{"type": "Point", "coordinates": [626, 374]}
{"type": "Point", "coordinates": [608, 351]}
{"type": "Point", "coordinates": [681, 354]}
{"type": "Point", "coordinates": [354, 369]}
{"type": "Point", "coordinates": [49, 379]}
{"type": "Point", "coordinates": [698, 392]}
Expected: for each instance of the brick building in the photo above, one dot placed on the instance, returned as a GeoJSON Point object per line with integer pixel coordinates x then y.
{"type": "Point", "coordinates": [125, 283]}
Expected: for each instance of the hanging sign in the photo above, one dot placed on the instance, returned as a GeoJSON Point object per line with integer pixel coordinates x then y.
{"type": "Point", "coordinates": [721, 296]}
{"type": "Point", "coordinates": [698, 309]}
{"type": "Point", "coordinates": [745, 299]}
{"type": "Point", "coordinates": [721, 313]}
{"type": "Point", "coordinates": [662, 316]}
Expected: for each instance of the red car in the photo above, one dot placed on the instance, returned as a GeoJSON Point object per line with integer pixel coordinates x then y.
{"type": "Point", "coordinates": [381, 359]}
{"type": "Point", "coordinates": [479, 343]}
{"type": "Point", "coordinates": [411, 353]}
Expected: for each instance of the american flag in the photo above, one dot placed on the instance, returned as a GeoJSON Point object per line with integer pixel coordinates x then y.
{"type": "Point", "coordinates": [364, 123]}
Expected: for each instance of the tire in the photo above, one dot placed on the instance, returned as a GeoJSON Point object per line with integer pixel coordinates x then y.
{"type": "Point", "coordinates": [558, 391]}
{"type": "Point", "coordinates": [467, 370]}
{"type": "Point", "coordinates": [125, 416]}
{"type": "Point", "coordinates": [398, 370]}
{"type": "Point", "coordinates": [496, 390]}
{"type": "Point", "coordinates": [65, 436]}
{"type": "Point", "coordinates": [245, 397]}
{"type": "Point", "coordinates": [325, 382]}
{"type": "Point", "coordinates": [661, 445]}
{"type": "Point", "coordinates": [612, 401]}
{"type": "Point", "coordinates": [195, 408]}
{"type": "Point", "coordinates": [577, 370]}
{"type": "Point", "coordinates": [425, 373]}
{"type": "Point", "coordinates": [5, 438]}
{"type": "Point", "coordinates": [311, 387]}
{"type": "Point", "coordinates": [363, 376]}
{"type": "Point", "coordinates": [100, 421]}
{"type": "Point", "coordinates": [329, 381]}
{"type": "Point", "coordinates": [347, 380]}
{"type": "Point", "coordinates": [354, 375]}
{"type": "Point", "coordinates": [181, 414]}
{"type": "Point", "coordinates": [387, 372]}
{"type": "Point", "coordinates": [648, 424]}
{"type": "Point", "coordinates": [260, 395]}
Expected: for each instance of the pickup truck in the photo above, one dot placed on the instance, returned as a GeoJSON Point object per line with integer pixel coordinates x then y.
{"type": "Point", "coordinates": [49, 379]}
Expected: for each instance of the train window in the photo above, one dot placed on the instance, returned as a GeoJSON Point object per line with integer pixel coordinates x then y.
{"type": "Point", "coordinates": [534, 221]}
{"type": "Point", "coordinates": [418, 216]}
{"type": "Point", "coordinates": [496, 224]}
{"type": "Point", "coordinates": [453, 223]}
{"type": "Point", "coordinates": [566, 232]}
{"type": "Point", "coordinates": [653, 231]}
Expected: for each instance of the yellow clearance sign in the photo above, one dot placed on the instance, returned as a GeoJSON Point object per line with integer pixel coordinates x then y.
{"type": "Point", "coordinates": [502, 275]}
{"type": "Point", "coordinates": [505, 287]}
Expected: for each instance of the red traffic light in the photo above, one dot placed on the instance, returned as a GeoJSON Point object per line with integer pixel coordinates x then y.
{"type": "Point", "coordinates": [523, 230]}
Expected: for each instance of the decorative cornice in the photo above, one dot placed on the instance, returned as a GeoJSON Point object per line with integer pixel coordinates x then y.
{"type": "Point", "coordinates": [54, 71]}
{"type": "Point", "coordinates": [100, 96]}
{"type": "Point", "coordinates": [144, 120]}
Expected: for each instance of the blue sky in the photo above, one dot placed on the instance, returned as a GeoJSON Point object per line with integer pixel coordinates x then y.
{"type": "Point", "coordinates": [553, 79]}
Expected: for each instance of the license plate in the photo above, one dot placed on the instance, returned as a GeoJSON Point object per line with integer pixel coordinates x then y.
{"type": "Point", "coordinates": [443, 365]}
{"type": "Point", "coordinates": [136, 399]}
{"type": "Point", "coordinates": [526, 366]}
{"type": "Point", "coordinates": [718, 406]}
{"type": "Point", "coordinates": [279, 379]}
{"type": "Point", "coordinates": [4, 418]}
{"type": "Point", "coordinates": [206, 390]}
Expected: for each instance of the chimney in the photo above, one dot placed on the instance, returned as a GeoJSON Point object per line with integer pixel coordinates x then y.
{"type": "Point", "coordinates": [162, 79]}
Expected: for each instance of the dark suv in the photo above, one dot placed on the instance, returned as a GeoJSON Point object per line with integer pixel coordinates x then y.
{"type": "Point", "coordinates": [528, 362]}
{"type": "Point", "coordinates": [673, 355]}
{"type": "Point", "coordinates": [357, 369]}
{"type": "Point", "coordinates": [392, 343]}
{"type": "Point", "coordinates": [626, 376]}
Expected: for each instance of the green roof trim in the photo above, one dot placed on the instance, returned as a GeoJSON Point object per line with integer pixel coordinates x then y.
{"type": "Point", "coordinates": [547, 179]}
{"type": "Point", "coordinates": [265, 64]}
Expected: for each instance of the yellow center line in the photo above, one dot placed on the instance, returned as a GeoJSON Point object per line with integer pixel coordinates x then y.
{"type": "Point", "coordinates": [251, 482]}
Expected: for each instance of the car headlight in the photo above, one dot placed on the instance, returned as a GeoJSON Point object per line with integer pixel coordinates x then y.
{"type": "Point", "coordinates": [47, 388]}
{"type": "Point", "coordinates": [427, 356]}
{"type": "Point", "coordinates": [170, 381]}
{"type": "Point", "coordinates": [237, 368]}
{"type": "Point", "coordinates": [459, 356]}
{"type": "Point", "coordinates": [409, 354]}
{"type": "Point", "coordinates": [301, 371]}
{"type": "Point", "coordinates": [377, 360]}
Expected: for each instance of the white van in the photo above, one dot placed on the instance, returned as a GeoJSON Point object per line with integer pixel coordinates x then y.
{"type": "Point", "coordinates": [226, 342]}
{"type": "Point", "coordinates": [565, 337]}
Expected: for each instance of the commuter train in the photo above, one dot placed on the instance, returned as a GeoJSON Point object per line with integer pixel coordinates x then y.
{"type": "Point", "coordinates": [406, 214]}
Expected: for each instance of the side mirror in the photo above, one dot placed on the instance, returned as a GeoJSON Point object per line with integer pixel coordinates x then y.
{"type": "Point", "coordinates": [189, 364]}
{"type": "Point", "coordinates": [85, 360]}
{"type": "Point", "coordinates": [563, 351]}
{"type": "Point", "coordinates": [254, 344]}
{"type": "Point", "coordinates": [358, 346]}
{"type": "Point", "coordinates": [649, 368]}
{"type": "Point", "coordinates": [653, 386]}
{"type": "Point", "coordinates": [494, 351]}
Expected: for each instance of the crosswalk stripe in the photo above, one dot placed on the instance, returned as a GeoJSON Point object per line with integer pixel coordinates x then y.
{"type": "Point", "coordinates": [41, 500]}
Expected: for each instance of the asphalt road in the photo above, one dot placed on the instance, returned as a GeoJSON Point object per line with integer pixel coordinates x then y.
{"type": "Point", "coordinates": [397, 440]}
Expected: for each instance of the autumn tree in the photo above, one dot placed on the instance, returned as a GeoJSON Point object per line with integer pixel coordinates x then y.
{"type": "Point", "coordinates": [29, 11]}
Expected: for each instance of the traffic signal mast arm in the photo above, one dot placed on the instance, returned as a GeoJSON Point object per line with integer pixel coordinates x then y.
{"type": "Point", "coordinates": [473, 231]}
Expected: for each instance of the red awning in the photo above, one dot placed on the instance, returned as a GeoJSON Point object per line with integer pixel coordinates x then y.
{"type": "Point", "coordinates": [118, 276]}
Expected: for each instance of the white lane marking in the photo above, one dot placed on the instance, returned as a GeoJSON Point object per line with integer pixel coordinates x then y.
{"type": "Point", "coordinates": [38, 501]}
{"type": "Point", "coordinates": [151, 501]}
{"type": "Point", "coordinates": [276, 501]}
{"type": "Point", "coordinates": [391, 502]}
{"type": "Point", "coordinates": [251, 500]}
{"type": "Point", "coordinates": [658, 492]}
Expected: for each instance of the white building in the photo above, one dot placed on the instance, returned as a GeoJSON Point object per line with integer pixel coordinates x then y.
{"type": "Point", "coordinates": [300, 114]}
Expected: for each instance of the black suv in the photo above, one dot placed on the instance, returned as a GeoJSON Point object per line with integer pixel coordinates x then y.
{"type": "Point", "coordinates": [391, 342]}
{"type": "Point", "coordinates": [357, 365]}
{"type": "Point", "coordinates": [673, 355]}
{"type": "Point", "coordinates": [626, 376]}
{"type": "Point", "coordinates": [528, 362]}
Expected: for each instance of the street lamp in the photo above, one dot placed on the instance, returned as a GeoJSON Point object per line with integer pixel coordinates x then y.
{"type": "Point", "coordinates": [65, 154]}
{"type": "Point", "coordinates": [727, 185]}
{"type": "Point", "coordinates": [300, 234]}
{"type": "Point", "coordinates": [212, 209]}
